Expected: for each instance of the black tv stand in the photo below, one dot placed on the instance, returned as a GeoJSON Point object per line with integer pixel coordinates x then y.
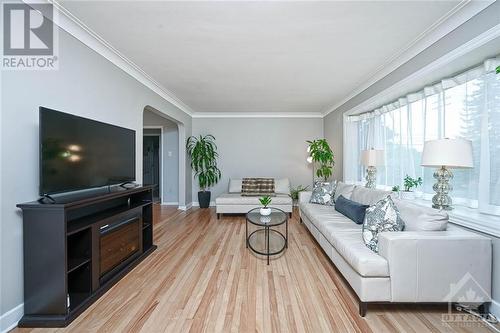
{"type": "Point", "coordinates": [78, 248]}
{"type": "Point", "coordinates": [47, 199]}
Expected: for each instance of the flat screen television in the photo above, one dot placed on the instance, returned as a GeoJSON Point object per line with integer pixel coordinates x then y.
{"type": "Point", "coordinates": [78, 153]}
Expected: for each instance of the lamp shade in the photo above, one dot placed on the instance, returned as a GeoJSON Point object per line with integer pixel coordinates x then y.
{"type": "Point", "coordinates": [451, 153]}
{"type": "Point", "coordinates": [372, 157]}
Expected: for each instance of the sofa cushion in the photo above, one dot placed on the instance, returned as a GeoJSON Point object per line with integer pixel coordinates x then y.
{"type": "Point", "coordinates": [343, 189]}
{"type": "Point", "coordinates": [235, 185]}
{"type": "Point", "coordinates": [346, 237]}
{"type": "Point", "coordinates": [282, 186]}
{"type": "Point", "coordinates": [420, 218]}
{"type": "Point", "coordinates": [237, 199]}
{"type": "Point", "coordinates": [368, 196]}
{"type": "Point", "coordinates": [327, 220]}
{"type": "Point", "coordinates": [351, 209]}
{"type": "Point", "coordinates": [363, 260]}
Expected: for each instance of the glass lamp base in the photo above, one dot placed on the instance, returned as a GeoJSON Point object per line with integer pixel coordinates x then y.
{"type": "Point", "coordinates": [371, 177]}
{"type": "Point", "coordinates": [441, 200]}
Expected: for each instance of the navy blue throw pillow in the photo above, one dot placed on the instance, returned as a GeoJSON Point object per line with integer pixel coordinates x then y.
{"type": "Point", "coordinates": [351, 209]}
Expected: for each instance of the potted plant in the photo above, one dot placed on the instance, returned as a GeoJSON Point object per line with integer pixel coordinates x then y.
{"type": "Point", "coordinates": [409, 183]}
{"type": "Point", "coordinates": [265, 201]}
{"type": "Point", "coordinates": [320, 152]}
{"type": "Point", "coordinates": [203, 153]}
{"type": "Point", "coordinates": [294, 193]}
{"type": "Point", "coordinates": [396, 189]}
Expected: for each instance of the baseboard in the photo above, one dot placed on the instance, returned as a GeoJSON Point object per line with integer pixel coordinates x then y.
{"type": "Point", "coordinates": [10, 318]}
{"type": "Point", "coordinates": [495, 308]}
{"type": "Point", "coordinates": [186, 207]}
{"type": "Point", "coordinates": [197, 204]}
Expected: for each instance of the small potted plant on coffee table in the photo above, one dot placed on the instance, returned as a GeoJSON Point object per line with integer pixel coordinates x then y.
{"type": "Point", "coordinates": [265, 201]}
{"type": "Point", "coordinates": [410, 183]}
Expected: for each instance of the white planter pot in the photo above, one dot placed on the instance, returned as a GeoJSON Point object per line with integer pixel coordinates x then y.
{"type": "Point", "coordinates": [407, 195]}
{"type": "Point", "coordinates": [265, 211]}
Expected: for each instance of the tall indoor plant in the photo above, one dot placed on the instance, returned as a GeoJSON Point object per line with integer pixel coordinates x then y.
{"type": "Point", "coordinates": [203, 153]}
{"type": "Point", "coordinates": [321, 153]}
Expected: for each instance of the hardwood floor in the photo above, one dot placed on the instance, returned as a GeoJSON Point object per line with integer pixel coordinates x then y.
{"type": "Point", "coordinates": [202, 278]}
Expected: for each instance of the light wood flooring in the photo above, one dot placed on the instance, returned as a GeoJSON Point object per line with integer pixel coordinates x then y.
{"type": "Point", "coordinates": [202, 278]}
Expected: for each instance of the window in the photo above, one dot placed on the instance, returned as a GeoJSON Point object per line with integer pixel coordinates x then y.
{"type": "Point", "coordinates": [467, 106]}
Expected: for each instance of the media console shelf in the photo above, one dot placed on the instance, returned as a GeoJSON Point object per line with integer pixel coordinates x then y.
{"type": "Point", "coordinates": [75, 250]}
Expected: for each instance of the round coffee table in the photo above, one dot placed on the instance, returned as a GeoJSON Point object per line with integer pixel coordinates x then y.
{"type": "Point", "coordinates": [267, 240]}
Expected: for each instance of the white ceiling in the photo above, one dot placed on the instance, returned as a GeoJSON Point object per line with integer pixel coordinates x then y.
{"type": "Point", "coordinates": [260, 56]}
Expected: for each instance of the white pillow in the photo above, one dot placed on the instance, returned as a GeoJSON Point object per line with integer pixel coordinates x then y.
{"type": "Point", "coordinates": [282, 186]}
{"type": "Point", "coordinates": [234, 185]}
{"type": "Point", "coordinates": [420, 218]}
{"type": "Point", "coordinates": [344, 190]}
{"type": "Point", "coordinates": [368, 196]}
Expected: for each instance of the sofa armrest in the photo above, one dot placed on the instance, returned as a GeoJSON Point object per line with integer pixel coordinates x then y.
{"type": "Point", "coordinates": [435, 266]}
{"type": "Point", "coordinates": [304, 196]}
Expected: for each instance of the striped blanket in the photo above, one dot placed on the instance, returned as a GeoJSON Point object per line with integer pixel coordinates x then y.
{"type": "Point", "coordinates": [251, 187]}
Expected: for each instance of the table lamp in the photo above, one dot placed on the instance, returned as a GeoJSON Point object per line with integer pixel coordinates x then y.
{"type": "Point", "coordinates": [446, 154]}
{"type": "Point", "coordinates": [372, 158]}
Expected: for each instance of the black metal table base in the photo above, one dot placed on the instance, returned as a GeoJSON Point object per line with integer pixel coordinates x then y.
{"type": "Point", "coordinates": [268, 230]}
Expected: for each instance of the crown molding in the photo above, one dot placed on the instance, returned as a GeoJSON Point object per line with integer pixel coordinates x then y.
{"type": "Point", "coordinates": [257, 115]}
{"type": "Point", "coordinates": [72, 25]}
{"type": "Point", "coordinates": [461, 13]}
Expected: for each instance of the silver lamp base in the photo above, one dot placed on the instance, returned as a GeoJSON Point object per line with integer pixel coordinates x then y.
{"type": "Point", "coordinates": [371, 177]}
{"type": "Point", "coordinates": [441, 200]}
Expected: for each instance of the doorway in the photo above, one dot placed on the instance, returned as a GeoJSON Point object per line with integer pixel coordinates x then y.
{"type": "Point", "coordinates": [152, 161]}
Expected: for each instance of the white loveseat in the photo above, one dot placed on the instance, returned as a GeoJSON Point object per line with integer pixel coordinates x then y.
{"type": "Point", "coordinates": [234, 203]}
{"type": "Point", "coordinates": [421, 264]}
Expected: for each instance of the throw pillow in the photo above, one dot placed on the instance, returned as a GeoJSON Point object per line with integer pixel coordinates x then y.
{"type": "Point", "coordinates": [323, 194]}
{"type": "Point", "coordinates": [383, 216]}
{"type": "Point", "coordinates": [282, 186]}
{"type": "Point", "coordinates": [351, 209]}
{"type": "Point", "coordinates": [257, 187]}
{"type": "Point", "coordinates": [343, 189]}
{"type": "Point", "coordinates": [235, 185]}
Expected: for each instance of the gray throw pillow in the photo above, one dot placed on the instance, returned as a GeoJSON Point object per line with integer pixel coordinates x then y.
{"type": "Point", "coordinates": [323, 193]}
{"type": "Point", "coordinates": [383, 216]}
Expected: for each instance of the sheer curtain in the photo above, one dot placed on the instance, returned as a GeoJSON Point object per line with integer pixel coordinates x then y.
{"type": "Point", "coordinates": [467, 105]}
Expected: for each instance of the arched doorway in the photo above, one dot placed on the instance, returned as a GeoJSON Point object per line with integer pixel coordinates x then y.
{"type": "Point", "coordinates": [164, 156]}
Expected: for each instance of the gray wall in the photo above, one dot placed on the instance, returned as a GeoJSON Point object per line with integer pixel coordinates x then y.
{"type": "Point", "coordinates": [274, 147]}
{"type": "Point", "coordinates": [170, 164]}
{"type": "Point", "coordinates": [485, 20]}
{"type": "Point", "coordinates": [86, 84]}
{"type": "Point", "coordinates": [334, 131]}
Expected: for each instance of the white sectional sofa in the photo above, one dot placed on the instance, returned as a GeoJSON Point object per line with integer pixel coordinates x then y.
{"type": "Point", "coordinates": [421, 264]}
{"type": "Point", "coordinates": [234, 203]}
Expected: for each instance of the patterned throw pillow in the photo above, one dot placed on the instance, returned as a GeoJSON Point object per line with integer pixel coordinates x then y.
{"type": "Point", "coordinates": [251, 187]}
{"type": "Point", "coordinates": [323, 193]}
{"type": "Point", "coordinates": [383, 216]}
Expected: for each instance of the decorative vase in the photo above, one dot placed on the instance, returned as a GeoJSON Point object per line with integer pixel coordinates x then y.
{"type": "Point", "coordinates": [265, 211]}
{"type": "Point", "coordinates": [204, 199]}
{"type": "Point", "coordinates": [407, 195]}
